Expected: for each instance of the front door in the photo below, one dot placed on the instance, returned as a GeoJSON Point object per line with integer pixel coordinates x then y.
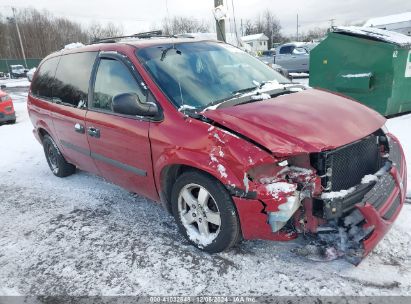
{"type": "Point", "coordinates": [119, 144]}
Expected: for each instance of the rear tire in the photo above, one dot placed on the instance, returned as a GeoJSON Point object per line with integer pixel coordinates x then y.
{"type": "Point", "coordinates": [12, 121]}
{"type": "Point", "coordinates": [205, 212]}
{"type": "Point", "coordinates": [56, 161]}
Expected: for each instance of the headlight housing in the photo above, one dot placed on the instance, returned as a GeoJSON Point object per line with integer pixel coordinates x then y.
{"type": "Point", "coordinates": [4, 98]}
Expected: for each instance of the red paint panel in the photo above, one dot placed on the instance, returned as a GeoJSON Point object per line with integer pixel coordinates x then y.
{"type": "Point", "coordinates": [64, 120]}
{"type": "Point", "coordinates": [254, 223]}
{"type": "Point", "coordinates": [123, 140]}
{"type": "Point", "coordinates": [308, 121]}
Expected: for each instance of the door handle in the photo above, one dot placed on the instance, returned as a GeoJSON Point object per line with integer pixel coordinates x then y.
{"type": "Point", "coordinates": [93, 132]}
{"type": "Point", "coordinates": [79, 128]}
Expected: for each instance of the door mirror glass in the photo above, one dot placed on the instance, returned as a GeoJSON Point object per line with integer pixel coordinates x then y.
{"type": "Point", "coordinates": [130, 104]}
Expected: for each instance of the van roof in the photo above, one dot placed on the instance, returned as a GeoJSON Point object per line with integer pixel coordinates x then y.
{"type": "Point", "coordinates": [126, 43]}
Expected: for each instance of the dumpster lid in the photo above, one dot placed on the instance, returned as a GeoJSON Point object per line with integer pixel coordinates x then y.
{"type": "Point", "coordinates": [373, 33]}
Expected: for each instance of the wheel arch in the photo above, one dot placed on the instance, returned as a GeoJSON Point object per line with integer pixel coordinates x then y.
{"type": "Point", "coordinates": [170, 173]}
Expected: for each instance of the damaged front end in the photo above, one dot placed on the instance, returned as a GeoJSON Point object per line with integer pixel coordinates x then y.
{"type": "Point", "coordinates": [342, 200]}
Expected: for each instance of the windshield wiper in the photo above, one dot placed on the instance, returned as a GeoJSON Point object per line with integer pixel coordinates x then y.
{"type": "Point", "coordinates": [246, 90]}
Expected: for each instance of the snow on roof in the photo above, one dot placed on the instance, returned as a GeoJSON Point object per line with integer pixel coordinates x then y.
{"type": "Point", "coordinates": [375, 33]}
{"type": "Point", "coordinates": [390, 19]}
{"type": "Point", "coordinates": [260, 36]}
{"type": "Point", "coordinates": [73, 45]}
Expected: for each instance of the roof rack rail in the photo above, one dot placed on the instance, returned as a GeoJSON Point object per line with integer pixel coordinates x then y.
{"type": "Point", "coordinates": [142, 35]}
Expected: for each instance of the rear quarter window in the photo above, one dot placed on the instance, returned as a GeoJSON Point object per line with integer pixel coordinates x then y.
{"type": "Point", "coordinates": [43, 82]}
{"type": "Point", "coordinates": [72, 78]}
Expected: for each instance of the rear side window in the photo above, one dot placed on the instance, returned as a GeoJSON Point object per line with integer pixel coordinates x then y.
{"type": "Point", "coordinates": [113, 78]}
{"type": "Point", "coordinates": [72, 79]}
{"type": "Point", "coordinates": [43, 82]}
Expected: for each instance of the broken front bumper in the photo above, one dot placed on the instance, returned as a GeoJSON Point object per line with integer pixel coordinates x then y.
{"type": "Point", "coordinates": [364, 219]}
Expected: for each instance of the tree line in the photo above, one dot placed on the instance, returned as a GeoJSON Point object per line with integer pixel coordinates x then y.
{"type": "Point", "coordinates": [42, 33]}
{"type": "Point", "coordinates": [267, 23]}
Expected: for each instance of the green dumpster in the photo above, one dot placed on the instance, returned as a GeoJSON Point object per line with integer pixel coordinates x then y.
{"type": "Point", "coordinates": [370, 65]}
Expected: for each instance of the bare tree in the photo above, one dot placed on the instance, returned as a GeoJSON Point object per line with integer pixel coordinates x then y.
{"type": "Point", "coordinates": [180, 25]}
{"type": "Point", "coordinates": [43, 33]}
{"type": "Point", "coordinates": [97, 31]}
{"type": "Point", "coordinates": [248, 27]}
{"type": "Point", "coordinates": [266, 23]}
{"type": "Point", "coordinates": [314, 34]}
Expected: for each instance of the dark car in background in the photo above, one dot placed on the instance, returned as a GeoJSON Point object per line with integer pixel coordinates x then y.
{"type": "Point", "coordinates": [17, 71]}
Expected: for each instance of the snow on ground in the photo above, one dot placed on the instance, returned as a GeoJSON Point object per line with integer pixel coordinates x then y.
{"type": "Point", "coordinates": [401, 128]}
{"type": "Point", "coordinates": [303, 80]}
{"type": "Point", "coordinates": [83, 236]}
{"type": "Point", "coordinates": [12, 83]}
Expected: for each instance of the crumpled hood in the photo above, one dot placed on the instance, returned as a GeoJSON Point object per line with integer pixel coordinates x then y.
{"type": "Point", "coordinates": [303, 122]}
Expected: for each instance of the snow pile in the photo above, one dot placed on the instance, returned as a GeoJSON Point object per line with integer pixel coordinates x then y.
{"type": "Point", "coordinates": [15, 83]}
{"type": "Point", "coordinates": [73, 45]}
{"type": "Point", "coordinates": [275, 189]}
{"type": "Point", "coordinates": [262, 96]}
{"type": "Point", "coordinates": [375, 33]}
{"type": "Point", "coordinates": [186, 107]}
{"type": "Point", "coordinates": [337, 194]}
{"type": "Point", "coordinates": [369, 178]}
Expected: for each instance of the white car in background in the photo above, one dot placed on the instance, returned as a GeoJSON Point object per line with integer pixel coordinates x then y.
{"type": "Point", "coordinates": [30, 74]}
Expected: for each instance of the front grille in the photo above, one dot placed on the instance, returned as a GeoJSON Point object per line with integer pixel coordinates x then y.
{"type": "Point", "coordinates": [395, 154]}
{"type": "Point", "coordinates": [393, 208]}
{"type": "Point", "coordinates": [380, 192]}
{"type": "Point", "coordinates": [344, 167]}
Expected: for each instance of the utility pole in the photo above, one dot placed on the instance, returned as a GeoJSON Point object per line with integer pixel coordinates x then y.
{"type": "Point", "coordinates": [220, 24]}
{"type": "Point", "coordinates": [18, 33]}
{"type": "Point", "coordinates": [297, 27]}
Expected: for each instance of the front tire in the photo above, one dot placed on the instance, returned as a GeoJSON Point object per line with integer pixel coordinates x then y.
{"type": "Point", "coordinates": [205, 212]}
{"type": "Point", "coordinates": [58, 165]}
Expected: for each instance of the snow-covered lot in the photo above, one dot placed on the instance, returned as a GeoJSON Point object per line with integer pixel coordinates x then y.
{"type": "Point", "coordinates": [83, 236]}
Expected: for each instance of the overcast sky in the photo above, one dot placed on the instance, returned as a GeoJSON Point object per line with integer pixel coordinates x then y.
{"type": "Point", "coordinates": [141, 15]}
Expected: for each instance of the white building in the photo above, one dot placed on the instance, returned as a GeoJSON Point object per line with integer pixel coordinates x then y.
{"type": "Point", "coordinates": [400, 23]}
{"type": "Point", "coordinates": [257, 42]}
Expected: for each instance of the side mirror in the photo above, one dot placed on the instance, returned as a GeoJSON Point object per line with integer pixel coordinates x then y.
{"type": "Point", "coordinates": [3, 87]}
{"type": "Point", "coordinates": [130, 104]}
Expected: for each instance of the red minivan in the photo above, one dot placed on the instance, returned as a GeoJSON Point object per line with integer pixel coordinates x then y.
{"type": "Point", "coordinates": [231, 148]}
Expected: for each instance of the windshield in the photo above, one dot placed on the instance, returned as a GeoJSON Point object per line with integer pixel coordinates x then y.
{"type": "Point", "coordinates": [197, 74]}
